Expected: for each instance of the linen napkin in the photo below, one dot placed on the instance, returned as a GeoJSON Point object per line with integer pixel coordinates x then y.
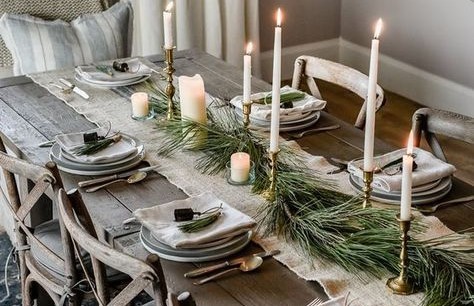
{"type": "Point", "coordinates": [136, 70]}
{"type": "Point", "coordinates": [114, 152]}
{"type": "Point", "coordinates": [160, 221]}
{"type": "Point", "coordinates": [263, 112]}
{"type": "Point", "coordinates": [429, 169]}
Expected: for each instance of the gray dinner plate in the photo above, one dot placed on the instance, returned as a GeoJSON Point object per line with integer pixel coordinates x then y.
{"type": "Point", "coordinates": [424, 198]}
{"type": "Point", "coordinates": [148, 239]}
{"type": "Point", "coordinates": [112, 84]}
{"type": "Point", "coordinates": [68, 161]}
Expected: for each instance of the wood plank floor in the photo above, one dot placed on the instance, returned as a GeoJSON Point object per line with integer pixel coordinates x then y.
{"type": "Point", "coordinates": [393, 124]}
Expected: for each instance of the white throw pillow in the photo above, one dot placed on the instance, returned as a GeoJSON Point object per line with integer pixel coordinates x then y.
{"type": "Point", "coordinates": [38, 45]}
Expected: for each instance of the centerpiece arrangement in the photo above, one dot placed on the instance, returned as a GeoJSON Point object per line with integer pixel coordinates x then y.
{"type": "Point", "coordinates": [304, 208]}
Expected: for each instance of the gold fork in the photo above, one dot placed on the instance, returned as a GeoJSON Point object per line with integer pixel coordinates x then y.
{"type": "Point", "coordinates": [432, 209]}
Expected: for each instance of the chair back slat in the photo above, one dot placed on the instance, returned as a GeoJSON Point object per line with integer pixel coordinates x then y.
{"type": "Point", "coordinates": [70, 206]}
{"type": "Point", "coordinates": [308, 68]}
{"type": "Point", "coordinates": [21, 207]}
{"type": "Point", "coordinates": [430, 122]}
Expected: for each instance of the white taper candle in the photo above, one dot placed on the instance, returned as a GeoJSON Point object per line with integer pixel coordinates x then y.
{"type": "Point", "coordinates": [168, 27]}
{"type": "Point", "coordinates": [405, 202]}
{"type": "Point", "coordinates": [247, 73]}
{"type": "Point", "coordinates": [371, 97]}
{"type": "Point", "coordinates": [275, 122]}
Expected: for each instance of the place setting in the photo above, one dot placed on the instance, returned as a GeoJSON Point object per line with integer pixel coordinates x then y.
{"type": "Point", "coordinates": [100, 151]}
{"type": "Point", "coordinates": [200, 228]}
{"type": "Point", "coordinates": [298, 110]}
{"type": "Point", "coordinates": [431, 179]}
{"type": "Point", "coordinates": [117, 74]}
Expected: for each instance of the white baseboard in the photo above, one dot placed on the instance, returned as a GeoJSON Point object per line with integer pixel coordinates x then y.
{"type": "Point", "coordinates": [328, 49]}
{"type": "Point", "coordinates": [411, 82]}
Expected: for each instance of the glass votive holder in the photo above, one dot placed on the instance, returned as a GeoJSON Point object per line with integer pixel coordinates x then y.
{"type": "Point", "coordinates": [250, 178]}
{"type": "Point", "coordinates": [141, 109]}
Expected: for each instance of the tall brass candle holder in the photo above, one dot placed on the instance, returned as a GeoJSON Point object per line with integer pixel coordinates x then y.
{"type": "Point", "coordinates": [246, 109]}
{"type": "Point", "coordinates": [170, 90]}
{"type": "Point", "coordinates": [368, 177]}
{"type": "Point", "coordinates": [402, 284]}
{"type": "Point", "coordinates": [269, 194]}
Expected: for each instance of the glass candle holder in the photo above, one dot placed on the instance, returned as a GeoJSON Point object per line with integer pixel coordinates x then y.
{"type": "Point", "coordinates": [141, 109]}
{"type": "Point", "coordinates": [249, 179]}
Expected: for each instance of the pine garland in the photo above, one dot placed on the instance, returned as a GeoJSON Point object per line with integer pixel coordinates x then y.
{"type": "Point", "coordinates": [322, 221]}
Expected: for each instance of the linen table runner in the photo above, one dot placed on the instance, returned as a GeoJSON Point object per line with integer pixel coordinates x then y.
{"type": "Point", "coordinates": [104, 106]}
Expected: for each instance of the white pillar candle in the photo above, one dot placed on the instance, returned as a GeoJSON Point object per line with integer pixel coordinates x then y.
{"type": "Point", "coordinates": [405, 203]}
{"type": "Point", "coordinates": [139, 104]}
{"type": "Point", "coordinates": [247, 73]}
{"type": "Point", "coordinates": [275, 122]}
{"type": "Point", "coordinates": [239, 167]}
{"type": "Point", "coordinates": [168, 27]}
{"type": "Point", "coordinates": [192, 98]}
{"type": "Point", "coordinates": [370, 114]}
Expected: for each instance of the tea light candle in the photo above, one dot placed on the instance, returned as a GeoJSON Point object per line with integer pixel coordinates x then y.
{"type": "Point", "coordinates": [405, 202]}
{"type": "Point", "coordinates": [239, 167]}
{"type": "Point", "coordinates": [139, 104]}
{"type": "Point", "coordinates": [192, 98]}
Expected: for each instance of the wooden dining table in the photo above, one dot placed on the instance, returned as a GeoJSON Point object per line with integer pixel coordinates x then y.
{"type": "Point", "coordinates": [30, 115]}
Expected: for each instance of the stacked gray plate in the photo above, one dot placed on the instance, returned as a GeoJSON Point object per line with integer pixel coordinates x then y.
{"type": "Point", "coordinates": [211, 251]}
{"type": "Point", "coordinates": [287, 124]}
{"type": "Point", "coordinates": [68, 163]}
{"type": "Point", "coordinates": [112, 83]}
{"type": "Point", "coordinates": [422, 194]}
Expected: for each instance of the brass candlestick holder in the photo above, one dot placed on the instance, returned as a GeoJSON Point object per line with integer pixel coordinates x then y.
{"type": "Point", "coordinates": [170, 90]}
{"type": "Point", "coordinates": [368, 177]}
{"type": "Point", "coordinates": [270, 193]}
{"type": "Point", "coordinates": [246, 109]}
{"type": "Point", "coordinates": [402, 284]}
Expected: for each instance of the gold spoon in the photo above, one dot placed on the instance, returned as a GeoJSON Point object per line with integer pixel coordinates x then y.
{"type": "Point", "coordinates": [247, 265]}
{"type": "Point", "coordinates": [132, 179]}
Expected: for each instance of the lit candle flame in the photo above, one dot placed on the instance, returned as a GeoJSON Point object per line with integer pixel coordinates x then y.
{"type": "Point", "coordinates": [378, 28]}
{"type": "Point", "coordinates": [249, 48]}
{"type": "Point", "coordinates": [410, 144]}
{"type": "Point", "coordinates": [169, 7]}
{"type": "Point", "coordinates": [279, 17]}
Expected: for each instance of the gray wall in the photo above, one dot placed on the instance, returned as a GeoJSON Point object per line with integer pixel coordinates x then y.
{"type": "Point", "coordinates": [304, 21]}
{"type": "Point", "coordinates": [434, 35]}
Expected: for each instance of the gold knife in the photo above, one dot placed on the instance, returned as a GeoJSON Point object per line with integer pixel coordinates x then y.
{"type": "Point", "coordinates": [115, 176]}
{"type": "Point", "coordinates": [232, 262]}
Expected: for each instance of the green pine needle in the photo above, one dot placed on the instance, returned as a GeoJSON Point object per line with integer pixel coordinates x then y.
{"type": "Point", "coordinates": [96, 146]}
{"type": "Point", "coordinates": [202, 222]}
{"type": "Point", "coordinates": [324, 222]}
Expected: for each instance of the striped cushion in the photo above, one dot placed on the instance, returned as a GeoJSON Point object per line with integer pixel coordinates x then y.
{"type": "Point", "coordinates": [39, 45]}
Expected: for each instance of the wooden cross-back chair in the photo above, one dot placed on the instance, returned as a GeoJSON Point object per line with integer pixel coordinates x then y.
{"type": "Point", "coordinates": [42, 246]}
{"type": "Point", "coordinates": [307, 68]}
{"type": "Point", "coordinates": [144, 275]}
{"type": "Point", "coordinates": [429, 122]}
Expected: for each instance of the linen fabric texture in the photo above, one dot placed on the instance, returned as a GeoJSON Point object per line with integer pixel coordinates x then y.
{"type": "Point", "coordinates": [39, 45]}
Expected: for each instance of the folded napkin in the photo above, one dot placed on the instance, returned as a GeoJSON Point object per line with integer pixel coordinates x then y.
{"type": "Point", "coordinates": [116, 151]}
{"type": "Point", "coordinates": [429, 169]}
{"type": "Point", "coordinates": [263, 112]}
{"type": "Point", "coordinates": [160, 221]}
{"type": "Point", "coordinates": [136, 70]}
